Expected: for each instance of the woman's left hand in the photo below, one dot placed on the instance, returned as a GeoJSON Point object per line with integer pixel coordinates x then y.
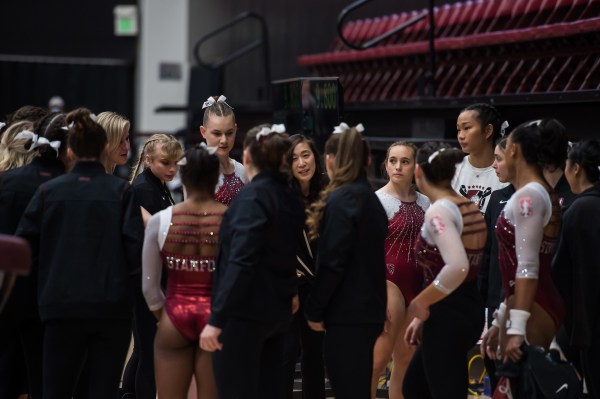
{"type": "Point", "coordinates": [316, 325]}
{"type": "Point", "coordinates": [414, 332]}
{"type": "Point", "coordinates": [513, 348]}
{"type": "Point", "coordinates": [209, 338]}
{"type": "Point", "coordinates": [295, 304]}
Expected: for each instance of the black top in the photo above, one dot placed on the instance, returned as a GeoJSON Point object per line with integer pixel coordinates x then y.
{"type": "Point", "coordinates": [87, 230]}
{"type": "Point", "coordinates": [564, 193]}
{"type": "Point", "coordinates": [350, 285]}
{"type": "Point", "coordinates": [576, 269]}
{"type": "Point", "coordinates": [489, 279]}
{"type": "Point", "coordinates": [255, 275]}
{"type": "Point", "coordinates": [17, 186]}
{"type": "Point", "coordinates": [151, 193]}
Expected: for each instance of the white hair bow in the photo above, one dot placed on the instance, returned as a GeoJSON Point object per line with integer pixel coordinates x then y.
{"type": "Point", "coordinates": [211, 150]}
{"type": "Point", "coordinates": [37, 140]}
{"type": "Point", "coordinates": [2, 124]}
{"type": "Point", "coordinates": [435, 154]}
{"type": "Point", "coordinates": [92, 117]}
{"type": "Point", "coordinates": [343, 127]}
{"type": "Point", "coordinates": [503, 128]}
{"type": "Point", "coordinates": [211, 101]}
{"type": "Point", "coordinates": [265, 131]}
{"type": "Point", "coordinates": [26, 134]}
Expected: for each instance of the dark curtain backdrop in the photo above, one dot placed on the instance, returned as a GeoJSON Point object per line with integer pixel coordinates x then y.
{"type": "Point", "coordinates": [66, 48]}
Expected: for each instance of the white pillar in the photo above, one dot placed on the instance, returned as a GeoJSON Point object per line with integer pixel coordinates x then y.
{"type": "Point", "coordinates": [164, 33]}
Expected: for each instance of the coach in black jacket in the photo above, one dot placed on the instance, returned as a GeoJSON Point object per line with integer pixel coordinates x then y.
{"type": "Point", "coordinates": [349, 295]}
{"type": "Point", "coordinates": [254, 283]}
{"type": "Point", "coordinates": [87, 230]}
{"type": "Point", "coordinates": [21, 331]}
{"type": "Point", "coordinates": [575, 268]}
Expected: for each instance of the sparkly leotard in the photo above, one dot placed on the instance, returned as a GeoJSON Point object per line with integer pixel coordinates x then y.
{"type": "Point", "coordinates": [547, 296]}
{"type": "Point", "coordinates": [404, 224]}
{"type": "Point", "coordinates": [430, 259]}
{"type": "Point", "coordinates": [189, 276]}
{"type": "Point", "coordinates": [229, 185]}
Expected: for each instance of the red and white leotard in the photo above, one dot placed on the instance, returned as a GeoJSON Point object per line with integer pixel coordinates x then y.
{"type": "Point", "coordinates": [404, 224]}
{"type": "Point", "coordinates": [189, 276]}
{"type": "Point", "coordinates": [229, 185]}
{"type": "Point", "coordinates": [524, 251]}
{"type": "Point", "coordinates": [440, 250]}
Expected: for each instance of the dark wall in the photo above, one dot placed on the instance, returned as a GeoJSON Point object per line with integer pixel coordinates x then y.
{"type": "Point", "coordinates": [68, 28]}
{"type": "Point", "coordinates": [94, 67]}
{"type": "Point", "coordinates": [295, 28]}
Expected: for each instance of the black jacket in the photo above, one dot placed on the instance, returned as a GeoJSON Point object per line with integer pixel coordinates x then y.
{"type": "Point", "coordinates": [255, 276]}
{"type": "Point", "coordinates": [564, 193]}
{"type": "Point", "coordinates": [151, 193]}
{"type": "Point", "coordinates": [489, 280]}
{"type": "Point", "coordinates": [87, 229]}
{"type": "Point", "coordinates": [576, 268]}
{"type": "Point", "coordinates": [350, 285]}
{"type": "Point", "coordinates": [17, 186]}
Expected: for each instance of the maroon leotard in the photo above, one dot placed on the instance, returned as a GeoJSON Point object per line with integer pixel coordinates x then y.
{"type": "Point", "coordinates": [546, 295]}
{"type": "Point", "coordinates": [430, 259]}
{"type": "Point", "coordinates": [189, 277]}
{"type": "Point", "coordinates": [232, 184]}
{"type": "Point", "coordinates": [401, 263]}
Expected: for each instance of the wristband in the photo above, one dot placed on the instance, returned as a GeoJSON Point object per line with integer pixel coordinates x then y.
{"type": "Point", "coordinates": [499, 315]}
{"type": "Point", "coordinates": [518, 322]}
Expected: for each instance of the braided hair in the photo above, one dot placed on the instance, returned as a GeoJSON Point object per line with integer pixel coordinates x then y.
{"type": "Point", "coordinates": [170, 147]}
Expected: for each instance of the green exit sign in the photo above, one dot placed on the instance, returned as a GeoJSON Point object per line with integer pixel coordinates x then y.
{"type": "Point", "coordinates": [126, 17]}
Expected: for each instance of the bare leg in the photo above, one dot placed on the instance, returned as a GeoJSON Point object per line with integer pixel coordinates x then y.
{"type": "Point", "coordinates": [173, 361]}
{"type": "Point", "coordinates": [384, 346]}
{"type": "Point", "coordinates": [205, 379]}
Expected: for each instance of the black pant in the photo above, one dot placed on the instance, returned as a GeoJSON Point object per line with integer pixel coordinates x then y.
{"type": "Point", "coordinates": [590, 364]}
{"type": "Point", "coordinates": [490, 365]}
{"type": "Point", "coordinates": [349, 358]}
{"type": "Point", "coordinates": [301, 339]}
{"type": "Point", "coordinates": [438, 369]}
{"type": "Point", "coordinates": [138, 377]}
{"type": "Point", "coordinates": [250, 361]}
{"type": "Point", "coordinates": [21, 338]}
{"type": "Point", "coordinates": [101, 343]}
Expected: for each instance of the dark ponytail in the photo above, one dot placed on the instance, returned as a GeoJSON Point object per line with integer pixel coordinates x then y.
{"type": "Point", "coordinates": [200, 171]}
{"type": "Point", "coordinates": [269, 150]}
{"type": "Point", "coordinates": [438, 161]}
{"type": "Point", "coordinates": [54, 128]}
{"type": "Point", "coordinates": [87, 139]}
{"type": "Point", "coordinates": [587, 155]}
{"type": "Point", "coordinates": [543, 143]}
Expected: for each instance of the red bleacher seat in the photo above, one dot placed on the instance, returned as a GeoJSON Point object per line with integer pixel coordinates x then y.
{"type": "Point", "coordinates": [484, 47]}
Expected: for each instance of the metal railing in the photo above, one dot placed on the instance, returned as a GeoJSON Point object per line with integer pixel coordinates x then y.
{"type": "Point", "coordinates": [262, 41]}
{"type": "Point", "coordinates": [376, 40]}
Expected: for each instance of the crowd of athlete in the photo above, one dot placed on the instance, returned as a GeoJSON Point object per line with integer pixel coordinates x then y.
{"type": "Point", "coordinates": [292, 255]}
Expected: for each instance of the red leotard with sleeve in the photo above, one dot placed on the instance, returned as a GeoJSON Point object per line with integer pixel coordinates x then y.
{"type": "Point", "coordinates": [546, 295]}
{"type": "Point", "coordinates": [430, 259]}
{"type": "Point", "coordinates": [404, 224]}
{"type": "Point", "coordinates": [189, 276]}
